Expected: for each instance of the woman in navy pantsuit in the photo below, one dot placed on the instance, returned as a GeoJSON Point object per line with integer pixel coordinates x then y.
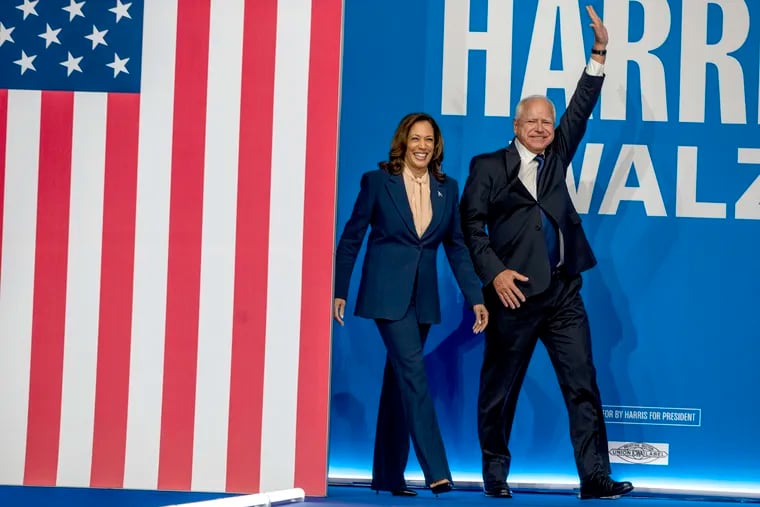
{"type": "Point", "coordinates": [411, 207]}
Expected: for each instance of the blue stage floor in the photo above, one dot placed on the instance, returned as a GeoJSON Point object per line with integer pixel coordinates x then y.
{"type": "Point", "coordinates": [337, 496]}
{"type": "Point", "coordinates": [346, 496]}
{"type": "Point", "coordinates": [28, 496]}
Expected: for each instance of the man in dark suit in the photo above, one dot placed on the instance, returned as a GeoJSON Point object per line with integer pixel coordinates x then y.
{"type": "Point", "coordinates": [529, 249]}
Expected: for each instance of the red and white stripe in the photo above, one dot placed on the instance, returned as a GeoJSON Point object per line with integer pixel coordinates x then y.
{"type": "Point", "coordinates": [165, 259]}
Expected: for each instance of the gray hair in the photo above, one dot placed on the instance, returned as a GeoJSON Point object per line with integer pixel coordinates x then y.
{"type": "Point", "coordinates": [524, 100]}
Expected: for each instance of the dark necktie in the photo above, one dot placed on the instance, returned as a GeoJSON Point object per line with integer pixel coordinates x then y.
{"type": "Point", "coordinates": [547, 226]}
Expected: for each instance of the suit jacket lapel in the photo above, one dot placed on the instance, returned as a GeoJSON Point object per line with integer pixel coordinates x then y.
{"type": "Point", "coordinates": [438, 199]}
{"type": "Point", "coordinates": [512, 162]}
{"type": "Point", "coordinates": [397, 191]}
{"type": "Point", "coordinates": [545, 179]}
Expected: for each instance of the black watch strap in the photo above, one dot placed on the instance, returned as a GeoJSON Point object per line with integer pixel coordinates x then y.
{"type": "Point", "coordinates": [600, 52]}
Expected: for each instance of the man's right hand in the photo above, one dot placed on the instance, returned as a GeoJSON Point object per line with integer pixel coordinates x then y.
{"type": "Point", "coordinates": [504, 285]}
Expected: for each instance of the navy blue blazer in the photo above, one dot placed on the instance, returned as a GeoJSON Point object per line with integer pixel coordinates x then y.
{"type": "Point", "coordinates": [396, 255]}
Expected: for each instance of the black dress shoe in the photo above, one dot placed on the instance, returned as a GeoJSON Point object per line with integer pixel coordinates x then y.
{"type": "Point", "coordinates": [497, 491]}
{"type": "Point", "coordinates": [444, 487]}
{"type": "Point", "coordinates": [602, 486]}
{"type": "Point", "coordinates": [403, 492]}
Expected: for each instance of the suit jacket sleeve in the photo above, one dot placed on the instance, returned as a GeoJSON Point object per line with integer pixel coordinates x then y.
{"type": "Point", "coordinates": [474, 214]}
{"type": "Point", "coordinates": [572, 125]}
{"type": "Point", "coordinates": [459, 257]}
{"type": "Point", "coordinates": [353, 236]}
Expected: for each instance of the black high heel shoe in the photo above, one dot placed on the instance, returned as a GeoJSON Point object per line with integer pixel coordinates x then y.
{"type": "Point", "coordinates": [441, 488]}
{"type": "Point", "coordinates": [403, 492]}
{"type": "Point", "coordinates": [399, 492]}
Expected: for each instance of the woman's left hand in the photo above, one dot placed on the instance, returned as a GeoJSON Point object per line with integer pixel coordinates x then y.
{"type": "Point", "coordinates": [481, 318]}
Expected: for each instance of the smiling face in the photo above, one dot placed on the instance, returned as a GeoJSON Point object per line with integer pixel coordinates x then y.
{"type": "Point", "coordinates": [534, 124]}
{"type": "Point", "coordinates": [419, 146]}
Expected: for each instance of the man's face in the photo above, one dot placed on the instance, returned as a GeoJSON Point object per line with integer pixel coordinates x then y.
{"type": "Point", "coordinates": [535, 127]}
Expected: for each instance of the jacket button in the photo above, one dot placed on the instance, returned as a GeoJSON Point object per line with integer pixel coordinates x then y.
{"type": "Point", "coordinates": [538, 227]}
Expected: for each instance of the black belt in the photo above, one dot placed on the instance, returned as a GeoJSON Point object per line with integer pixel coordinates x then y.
{"type": "Point", "coordinates": [559, 271]}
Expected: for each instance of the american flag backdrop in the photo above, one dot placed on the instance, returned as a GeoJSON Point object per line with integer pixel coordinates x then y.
{"type": "Point", "coordinates": [167, 193]}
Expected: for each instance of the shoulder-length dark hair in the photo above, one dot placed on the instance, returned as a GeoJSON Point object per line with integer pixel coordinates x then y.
{"type": "Point", "coordinates": [395, 162]}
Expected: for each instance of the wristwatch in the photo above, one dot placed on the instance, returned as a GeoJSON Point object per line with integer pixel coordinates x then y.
{"type": "Point", "coordinates": [600, 52]}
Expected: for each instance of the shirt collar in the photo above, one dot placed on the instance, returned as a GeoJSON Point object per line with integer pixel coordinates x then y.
{"type": "Point", "coordinates": [525, 154]}
{"type": "Point", "coordinates": [425, 178]}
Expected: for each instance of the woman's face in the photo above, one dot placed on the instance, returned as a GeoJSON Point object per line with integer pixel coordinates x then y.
{"type": "Point", "coordinates": [419, 145]}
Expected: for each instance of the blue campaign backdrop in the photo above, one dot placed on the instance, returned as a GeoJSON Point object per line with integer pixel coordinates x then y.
{"type": "Point", "coordinates": [668, 185]}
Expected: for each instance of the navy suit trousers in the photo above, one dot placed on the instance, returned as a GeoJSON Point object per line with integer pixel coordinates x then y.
{"type": "Point", "coordinates": [406, 408]}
